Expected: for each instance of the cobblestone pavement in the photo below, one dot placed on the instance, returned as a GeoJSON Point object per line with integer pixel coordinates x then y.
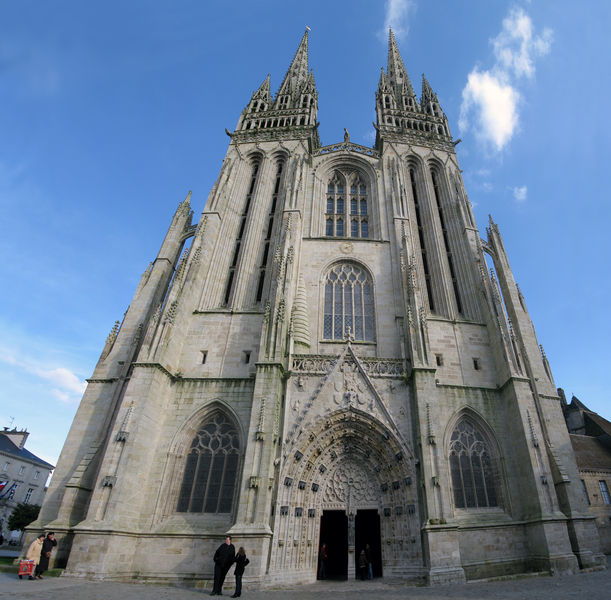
{"type": "Point", "coordinates": [592, 585]}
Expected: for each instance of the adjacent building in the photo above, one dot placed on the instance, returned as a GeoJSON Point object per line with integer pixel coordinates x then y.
{"type": "Point", "coordinates": [591, 439]}
{"type": "Point", "coordinates": [332, 353]}
{"type": "Point", "coordinates": [23, 475]}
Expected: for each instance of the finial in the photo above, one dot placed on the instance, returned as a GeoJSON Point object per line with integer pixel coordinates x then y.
{"type": "Point", "coordinates": [346, 136]}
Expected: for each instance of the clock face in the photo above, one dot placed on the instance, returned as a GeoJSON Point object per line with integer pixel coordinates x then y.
{"type": "Point", "coordinates": [346, 247]}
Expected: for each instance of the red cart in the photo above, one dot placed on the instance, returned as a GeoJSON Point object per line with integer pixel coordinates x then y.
{"type": "Point", "coordinates": [26, 567]}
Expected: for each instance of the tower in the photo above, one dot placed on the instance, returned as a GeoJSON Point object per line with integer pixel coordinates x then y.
{"type": "Point", "coordinates": [324, 357]}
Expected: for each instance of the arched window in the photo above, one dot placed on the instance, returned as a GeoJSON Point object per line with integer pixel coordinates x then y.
{"type": "Point", "coordinates": [211, 469]}
{"type": "Point", "coordinates": [348, 304]}
{"type": "Point", "coordinates": [347, 214]}
{"type": "Point", "coordinates": [472, 468]}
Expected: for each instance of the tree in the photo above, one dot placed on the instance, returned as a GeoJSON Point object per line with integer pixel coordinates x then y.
{"type": "Point", "coordinates": [22, 516]}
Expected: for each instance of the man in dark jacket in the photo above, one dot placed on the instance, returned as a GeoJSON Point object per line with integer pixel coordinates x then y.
{"type": "Point", "coordinates": [45, 554]}
{"type": "Point", "coordinates": [223, 559]}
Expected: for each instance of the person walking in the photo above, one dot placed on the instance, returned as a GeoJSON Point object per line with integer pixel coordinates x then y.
{"type": "Point", "coordinates": [45, 554]}
{"type": "Point", "coordinates": [240, 564]}
{"type": "Point", "coordinates": [34, 551]}
{"type": "Point", "coordinates": [223, 559]}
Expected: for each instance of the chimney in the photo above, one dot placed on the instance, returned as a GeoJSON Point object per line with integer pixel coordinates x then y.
{"type": "Point", "coordinates": [17, 437]}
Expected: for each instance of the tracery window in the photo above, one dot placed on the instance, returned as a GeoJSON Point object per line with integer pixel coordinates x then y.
{"type": "Point", "coordinates": [472, 468]}
{"type": "Point", "coordinates": [348, 305]}
{"type": "Point", "coordinates": [347, 212]}
{"type": "Point", "coordinates": [211, 468]}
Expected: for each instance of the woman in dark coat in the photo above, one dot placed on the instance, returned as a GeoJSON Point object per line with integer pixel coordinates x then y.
{"type": "Point", "coordinates": [45, 554]}
{"type": "Point", "coordinates": [240, 564]}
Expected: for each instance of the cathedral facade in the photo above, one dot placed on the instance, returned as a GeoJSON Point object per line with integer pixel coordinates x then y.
{"type": "Point", "coordinates": [324, 357]}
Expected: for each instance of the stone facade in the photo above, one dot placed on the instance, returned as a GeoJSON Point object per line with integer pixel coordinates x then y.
{"type": "Point", "coordinates": [23, 477]}
{"type": "Point", "coordinates": [331, 360]}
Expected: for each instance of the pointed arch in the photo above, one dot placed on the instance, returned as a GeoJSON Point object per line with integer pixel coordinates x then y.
{"type": "Point", "coordinates": [473, 462]}
{"type": "Point", "coordinates": [349, 310]}
{"type": "Point", "coordinates": [211, 446]}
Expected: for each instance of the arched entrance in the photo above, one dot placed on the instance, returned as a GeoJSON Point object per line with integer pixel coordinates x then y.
{"type": "Point", "coordinates": [352, 477]}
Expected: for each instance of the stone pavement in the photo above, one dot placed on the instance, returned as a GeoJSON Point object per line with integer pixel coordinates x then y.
{"type": "Point", "coordinates": [593, 585]}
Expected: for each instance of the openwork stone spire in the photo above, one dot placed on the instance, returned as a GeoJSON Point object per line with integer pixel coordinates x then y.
{"type": "Point", "coordinates": [399, 114]}
{"type": "Point", "coordinates": [397, 74]}
{"type": "Point", "coordinates": [291, 114]}
{"type": "Point", "coordinates": [298, 72]}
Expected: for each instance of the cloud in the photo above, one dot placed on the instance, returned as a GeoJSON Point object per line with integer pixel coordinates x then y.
{"type": "Point", "coordinates": [396, 17]}
{"type": "Point", "coordinates": [490, 98]}
{"type": "Point", "coordinates": [520, 193]}
{"type": "Point", "coordinates": [493, 105]}
{"type": "Point", "coordinates": [67, 386]}
{"type": "Point", "coordinates": [516, 46]}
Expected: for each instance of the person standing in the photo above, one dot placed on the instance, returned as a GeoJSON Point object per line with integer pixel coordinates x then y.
{"type": "Point", "coordinates": [34, 551]}
{"type": "Point", "coordinates": [322, 562]}
{"type": "Point", "coordinates": [45, 554]}
{"type": "Point", "coordinates": [223, 559]}
{"type": "Point", "coordinates": [240, 564]}
{"type": "Point", "coordinates": [369, 563]}
{"type": "Point", "coordinates": [362, 565]}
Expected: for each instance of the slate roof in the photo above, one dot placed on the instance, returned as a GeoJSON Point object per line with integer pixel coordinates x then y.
{"type": "Point", "coordinates": [8, 447]}
{"type": "Point", "coordinates": [590, 453]}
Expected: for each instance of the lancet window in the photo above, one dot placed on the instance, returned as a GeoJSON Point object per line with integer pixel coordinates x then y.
{"type": "Point", "coordinates": [349, 309]}
{"type": "Point", "coordinates": [240, 234]}
{"type": "Point", "coordinates": [472, 467]}
{"type": "Point", "coordinates": [211, 469]}
{"type": "Point", "coordinates": [347, 212]}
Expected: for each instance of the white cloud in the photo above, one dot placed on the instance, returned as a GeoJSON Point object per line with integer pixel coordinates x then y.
{"type": "Point", "coordinates": [520, 193]}
{"type": "Point", "coordinates": [396, 17]}
{"type": "Point", "coordinates": [516, 46]}
{"type": "Point", "coordinates": [67, 386]}
{"type": "Point", "coordinates": [494, 106]}
{"type": "Point", "coordinates": [490, 105]}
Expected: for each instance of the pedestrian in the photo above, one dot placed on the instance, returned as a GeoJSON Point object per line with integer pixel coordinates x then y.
{"type": "Point", "coordinates": [369, 563]}
{"type": "Point", "coordinates": [45, 554]}
{"type": "Point", "coordinates": [223, 559]}
{"type": "Point", "coordinates": [34, 551]}
{"type": "Point", "coordinates": [362, 565]}
{"type": "Point", "coordinates": [322, 562]}
{"type": "Point", "coordinates": [240, 564]}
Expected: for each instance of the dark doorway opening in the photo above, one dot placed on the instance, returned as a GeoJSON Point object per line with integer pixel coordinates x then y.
{"type": "Point", "coordinates": [367, 531]}
{"type": "Point", "coordinates": [334, 533]}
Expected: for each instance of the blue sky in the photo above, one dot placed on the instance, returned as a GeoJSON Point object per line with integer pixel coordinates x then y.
{"type": "Point", "coordinates": [112, 111]}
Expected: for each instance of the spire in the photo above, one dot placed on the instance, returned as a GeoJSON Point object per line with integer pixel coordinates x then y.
{"type": "Point", "coordinates": [428, 94]}
{"type": "Point", "coordinates": [263, 92]}
{"type": "Point", "coordinates": [429, 101]}
{"type": "Point", "coordinates": [397, 73]}
{"type": "Point", "coordinates": [298, 72]}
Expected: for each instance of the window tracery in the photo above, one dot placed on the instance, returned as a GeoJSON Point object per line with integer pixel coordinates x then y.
{"type": "Point", "coordinates": [348, 307]}
{"type": "Point", "coordinates": [472, 468]}
{"type": "Point", "coordinates": [347, 213]}
{"type": "Point", "coordinates": [211, 468]}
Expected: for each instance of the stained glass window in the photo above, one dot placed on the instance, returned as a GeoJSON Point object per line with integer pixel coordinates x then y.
{"type": "Point", "coordinates": [472, 468]}
{"type": "Point", "coordinates": [211, 469]}
{"type": "Point", "coordinates": [348, 304]}
{"type": "Point", "coordinates": [339, 207]}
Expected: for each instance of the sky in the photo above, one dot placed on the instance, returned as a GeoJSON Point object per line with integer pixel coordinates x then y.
{"type": "Point", "coordinates": [110, 112]}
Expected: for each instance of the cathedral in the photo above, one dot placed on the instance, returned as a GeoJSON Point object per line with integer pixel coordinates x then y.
{"type": "Point", "coordinates": [332, 354]}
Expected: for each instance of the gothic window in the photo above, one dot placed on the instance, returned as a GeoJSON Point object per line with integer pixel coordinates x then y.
{"type": "Point", "coordinates": [346, 209]}
{"type": "Point", "coordinates": [472, 468]}
{"type": "Point", "coordinates": [211, 469]}
{"type": "Point", "coordinates": [348, 304]}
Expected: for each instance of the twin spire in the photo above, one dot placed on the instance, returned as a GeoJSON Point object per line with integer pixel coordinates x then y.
{"type": "Point", "coordinates": [294, 108]}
